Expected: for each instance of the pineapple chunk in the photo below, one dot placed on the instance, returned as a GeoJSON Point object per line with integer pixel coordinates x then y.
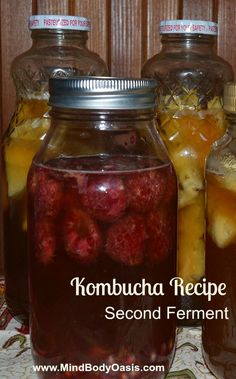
{"type": "Point", "coordinates": [229, 181]}
{"type": "Point", "coordinates": [23, 143]}
{"type": "Point", "coordinates": [215, 103]}
{"type": "Point", "coordinates": [221, 209]}
{"type": "Point", "coordinates": [222, 229]}
{"type": "Point", "coordinates": [190, 179]}
{"type": "Point", "coordinates": [18, 158]}
{"type": "Point", "coordinates": [190, 183]}
{"type": "Point", "coordinates": [191, 245]}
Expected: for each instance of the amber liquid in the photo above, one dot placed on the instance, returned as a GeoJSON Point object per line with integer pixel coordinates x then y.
{"type": "Point", "coordinates": [189, 135]}
{"type": "Point", "coordinates": [219, 336]}
{"type": "Point", "coordinates": [27, 129]}
{"type": "Point", "coordinates": [73, 329]}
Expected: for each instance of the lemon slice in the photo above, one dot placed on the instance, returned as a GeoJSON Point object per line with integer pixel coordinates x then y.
{"type": "Point", "coordinates": [18, 157]}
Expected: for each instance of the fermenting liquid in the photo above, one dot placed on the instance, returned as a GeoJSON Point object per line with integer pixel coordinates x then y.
{"type": "Point", "coordinates": [101, 218]}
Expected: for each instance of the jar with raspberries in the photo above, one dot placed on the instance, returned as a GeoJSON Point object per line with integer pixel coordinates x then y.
{"type": "Point", "coordinates": [102, 206]}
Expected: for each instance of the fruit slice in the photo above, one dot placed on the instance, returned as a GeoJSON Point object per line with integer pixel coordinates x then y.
{"type": "Point", "coordinates": [190, 179]}
{"type": "Point", "coordinates": [191, 246]}
{"type": "Point", "coordinates": [221, 210]}
{"type": "Point", "coordinates": [229, 181]}
{"type": "Point", "coordinates": [190, 183]}
{"type": "Point", "coordinates": [23, 143]}
{"type": "Point", "coordinates": [125, 240]}
{"type": "Point", "coordinates": [18, 158]}
{"type": "Point", "coordinates": [222, 230]}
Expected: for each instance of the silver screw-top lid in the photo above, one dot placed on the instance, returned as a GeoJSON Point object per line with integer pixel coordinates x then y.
{"type": "Point", "coordinates": [102, 93]}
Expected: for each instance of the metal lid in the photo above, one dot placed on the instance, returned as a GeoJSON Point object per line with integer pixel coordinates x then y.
{"type": "Point", "coordinates": [62, 22]}
{"type": "Point", "coordinates": [230, 97]}
{"type": "Point", "coordinates": [102, 93]}
{"type": "Point", "coordinates": [188, 27]}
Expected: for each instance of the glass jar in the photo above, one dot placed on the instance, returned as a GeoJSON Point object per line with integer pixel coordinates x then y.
{"type": "Point", "coordinates": [102, 210]}
{"type": "Point", "coordinates": [58, 49]}
{"type": "Point", "coordinates": [190, 80]}
{"type": "Point", "coordinates": [219, 335]}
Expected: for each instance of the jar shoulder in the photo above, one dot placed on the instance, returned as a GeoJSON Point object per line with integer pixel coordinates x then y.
{"type": "Point", "coordinates": [31, 70]}
{"type": "Point", "coordinates": [222, 157]}
{"type": "Point", "coordinates": [82, 60]}
{"type": "Point", "coordinates": [163, 64]}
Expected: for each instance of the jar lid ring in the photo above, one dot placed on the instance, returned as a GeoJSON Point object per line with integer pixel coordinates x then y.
{"type": "Point", "coordinates": [188, 27]}
{"type": "Point", "coordinates": [59, 22]}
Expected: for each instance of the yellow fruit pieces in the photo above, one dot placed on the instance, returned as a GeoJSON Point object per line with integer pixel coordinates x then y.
{"type": "Point", "coordinates": [18, 157]}
{"type": "Point", "coordinates": [29, 125]}
{"type": "Point", "coordinates": [188, 132]}
{"type": "Point", "coordinates": [191, 246]}
{"type": "Point", "coordinates": [230, 181]}
{"type": "Point", "coordinates": [190, 178]}
{"type": "Point", "coordinates": [221, 209]}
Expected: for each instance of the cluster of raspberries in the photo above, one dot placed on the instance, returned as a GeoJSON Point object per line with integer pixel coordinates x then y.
{"type": "Point", "coordinates": [123, 216]}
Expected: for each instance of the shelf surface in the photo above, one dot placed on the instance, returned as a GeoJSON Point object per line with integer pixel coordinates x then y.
{"type": "Point", "coordinates": [16, 361]}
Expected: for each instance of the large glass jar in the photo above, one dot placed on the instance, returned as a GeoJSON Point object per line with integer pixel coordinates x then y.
{"type": "Point", "coordinates": [190, 80]}
{"type": "Point", "coordinates": [102, 214]}
{"type": "Point", "coordinates": [58, 49]}
{"type": "Point", "coordinates": [219, 335]}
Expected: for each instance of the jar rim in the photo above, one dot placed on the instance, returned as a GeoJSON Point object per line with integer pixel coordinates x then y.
{"type": "Point", "coordinates": [188, 27]}
{"type": "Point", "coordinates": [59, 22]}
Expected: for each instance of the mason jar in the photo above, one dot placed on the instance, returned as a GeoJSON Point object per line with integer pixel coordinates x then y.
{"type": "Point", "coordinates": [190, 79]}
{"type": "Point", "coordinates": [102, 210]}
{"type": "Point", "coordinates": [59, 48]}
{"type": "Point", "coordinates": [219, 334]}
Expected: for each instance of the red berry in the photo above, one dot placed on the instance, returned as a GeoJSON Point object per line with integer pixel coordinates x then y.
{"type": "Point", "coordinates": [145, 190]}
{"type": "Point", "coordinates": [105, 198]}
{"type": "Point", "coordinates": [81, 235]}
{"type": "Point", "coordinates": [44, 242]}
{"type": "Point", "coordinates": [161, 232]}
{"type": "Point", "coordinates": [48, 194]}
{"type": "Point", "coordinates": [70, 198]}
{"type": "Point", "coordinates": [125, 240]}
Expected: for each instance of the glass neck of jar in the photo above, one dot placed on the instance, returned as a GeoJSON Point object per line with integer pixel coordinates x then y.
{"type": "Point", "coordinates": [231, 120]}
{"type": "Point", "coordinates": [49, 37]}
{"type": "Point", "coordinates": [194, 43]}
{"type": "Point", "coordinates": [131, 115]}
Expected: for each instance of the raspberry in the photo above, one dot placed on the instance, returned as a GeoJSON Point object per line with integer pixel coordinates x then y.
{"type": "Point", "coordinates": [44, 242]}
{"type": "Point", "coordinates": [145, 190]}
{"type": "Point", "coordinates": [125, 240]}
{"type": "Point", "coordinates": [70, 198]}
{"type": "Point", "coordinates": [48, 194]}
{"type": "Point", "coordinates": [81, 235]}
{"type": "Point", "coordinates": [160, 229]}
{"type": "Point", "coordinates": [105, 198]}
